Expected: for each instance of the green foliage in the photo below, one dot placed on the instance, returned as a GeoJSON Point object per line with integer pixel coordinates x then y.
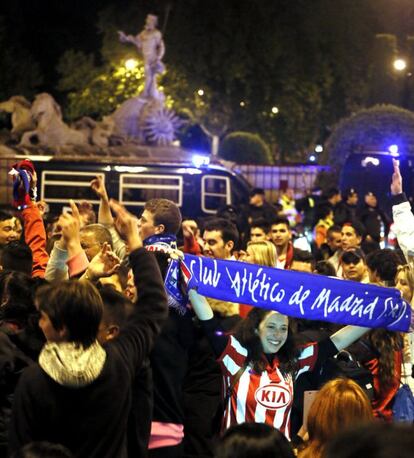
{"type": "Point", "coordinates": [311, 59]}
{"type": "Point", "coordinates": [245, 148]}
{"type": "Point", "coordinates": [96, 91]}
{"type": "Point", "coordinates": [315, 71]}
{"type": "Point", "coordinates": [377, 127]}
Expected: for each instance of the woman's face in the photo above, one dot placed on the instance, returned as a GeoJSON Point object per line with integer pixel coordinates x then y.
{"type": "Point", "coordinates": [404, 286]}
{"type": "Point", "coordinates": [273, 332]}
{"type": "Point", "coordinates": [249, 256]}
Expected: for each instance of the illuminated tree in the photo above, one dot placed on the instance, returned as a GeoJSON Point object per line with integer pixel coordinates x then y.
{"type": "Point", "coordinates": [377, 127]}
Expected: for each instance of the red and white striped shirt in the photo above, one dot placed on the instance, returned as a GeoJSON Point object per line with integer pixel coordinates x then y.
{"type": "Point", "coordinates": [261, 398]}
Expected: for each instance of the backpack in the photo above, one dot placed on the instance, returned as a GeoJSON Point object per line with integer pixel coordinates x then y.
{"type": "Point", "coordinates": [346, 366]}
{"type": "Point", "coordinates": [403, 406]}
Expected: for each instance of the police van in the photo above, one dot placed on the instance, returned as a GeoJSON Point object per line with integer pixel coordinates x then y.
{"type": "Point", "coordinates": [197, 186]}
{"type": "Point", "coordinates": [371, 171]}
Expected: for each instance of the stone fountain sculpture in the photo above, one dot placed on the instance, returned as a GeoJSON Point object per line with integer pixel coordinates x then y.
{"type": "Point", "coordinates": [144, 119]}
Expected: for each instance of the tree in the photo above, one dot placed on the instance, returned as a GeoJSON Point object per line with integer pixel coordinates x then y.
{"type": "Point", "coordinates": [376, 127]}
{"type": "Point", "coordinates": [96, 90]}
{"type": "Point", "coordinates": [308, 59]}
{"type": "Point", "coordinates": [245, 148]}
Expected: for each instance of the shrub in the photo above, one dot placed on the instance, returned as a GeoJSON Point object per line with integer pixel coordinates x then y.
{"type": "Point", "coordinates": [245, 148]}
{"type": "Point", "coordinates": [377, 128]}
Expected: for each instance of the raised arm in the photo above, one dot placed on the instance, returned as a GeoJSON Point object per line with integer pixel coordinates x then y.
{"type": "Point", "coordinates": [138, 336]}
{"type": "Point", "coordinates": [401, 212]}
{"type": "Point", "coordinates": [347, 336]}
{"type": "Point", "coordinates": [200, 306]}
{"type": "Point", "coordinates": [123, 38]}
{"type": "Point", "coordinates": [104, 215]}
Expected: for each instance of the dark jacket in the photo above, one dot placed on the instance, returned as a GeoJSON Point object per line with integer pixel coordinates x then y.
{"type": "Point", "coordinates": [344, 213]}
{"type": "Point", "coordinates": [372, 218]}
{"type": "Point", "coordinates": [12, 363]}
{"type": "Point", "coordinates": [91, 420]}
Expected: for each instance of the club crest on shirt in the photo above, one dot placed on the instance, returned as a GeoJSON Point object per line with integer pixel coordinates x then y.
{"type": "Point", "coordinates": [273, 397]}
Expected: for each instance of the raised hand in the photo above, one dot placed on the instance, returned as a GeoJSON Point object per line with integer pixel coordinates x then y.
{"type": "Point", "coordinates": [126, 225]}
{"type": "Point", "coordinates": [189, 228]}
{"type": "Point", "coordinates": [104, 264]}
{"type": "Point", "coordinates": [70, 224]}
{"type": "Point", "coordinates": [98, 187]}
{"type": "Point", "coordinates": [396, 183]}
{"type": "Point", "coordinates": [42, 206]}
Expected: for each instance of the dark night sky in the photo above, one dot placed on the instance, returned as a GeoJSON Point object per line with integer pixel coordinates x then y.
{"type": "Point", "coordinates": [49, 27]}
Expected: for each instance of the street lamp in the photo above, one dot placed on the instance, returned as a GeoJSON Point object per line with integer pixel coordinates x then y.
{"type": "Point", "coordinates": [399, 64]}
{"type": "Point", "coordinates": [130, 64]}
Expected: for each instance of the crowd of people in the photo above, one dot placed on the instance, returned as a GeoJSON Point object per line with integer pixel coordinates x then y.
{"type": "Point", "coordinates": [105, 353]}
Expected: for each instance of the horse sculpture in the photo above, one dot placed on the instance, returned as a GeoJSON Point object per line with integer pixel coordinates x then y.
{"type": "Point", "coordinates": [50, 129]}
{"type": "Point", "coordinates": [21, 116]}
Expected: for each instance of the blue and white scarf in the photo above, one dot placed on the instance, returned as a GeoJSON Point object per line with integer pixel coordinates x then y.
{"type": "Point", "coordinates": [175, 276]}
{"type": "Point", "coordinates": [298, 294]}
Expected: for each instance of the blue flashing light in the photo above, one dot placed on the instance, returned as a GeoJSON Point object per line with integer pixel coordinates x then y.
{"type": "Point", "coordinates": [199, 160]}
{"type": "Point", "coordinates": [312, 158]}
{"type": "Point", "coordinates": [393, 149]}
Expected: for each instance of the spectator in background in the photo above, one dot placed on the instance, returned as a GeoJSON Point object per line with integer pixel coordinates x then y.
{"type": "Point", "coordinates": [333, 197]}
{"type": "Point", "coordinates": [375, 221]}
{"type": "Point", "coordinates": [8, 231]}
{"type": "Point", "coordinates": [18, 257]}
{"type": "Point", "coordinates": [302, 261]}
{"type": "Point", "coordinates": [308, 206]}
{"type": "Point", "coordinates": [382, 267]}
{"type": "Point", "coordinates": [323, 225]}
{"type": "Point", "coordinates": [43, 450]}
{"type": "Point", "coordinates": [351, 237]}
{"type": "Point", "coordinates": [262, 253]}
{"type": "Point", "coordinates": [354, 266]}
{"type": "Point", "coordinates": [259, 230]}
{"type": "Point", "coordinates": [193, 242]}
{"type": "Point", "coordinates": [220, 239]}
{"type": "Point", "coordinates": [281, 236]}
{"type": "Point", "coordinates": [404, 282]}
{"type": "Point", "coordinates": [258, 207]}
{"type": "Point", "coordinates": [287, 201]}
{"type": "Point", "coordinates": [253, 440]}
{"type": "Point", "coordinates": [345, 210]}
{"type": "Point", "coordinates": [373, 441]}
{"type": "Point", "coordinates": [332, 244]}
{"type": "Point", "coordinates": [324, 268]}
{"type": "Point", "coordinates": [338, 406]}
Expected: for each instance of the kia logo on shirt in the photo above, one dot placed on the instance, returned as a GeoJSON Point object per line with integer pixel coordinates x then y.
{"type": "Point", "coordinates": [273, 396]}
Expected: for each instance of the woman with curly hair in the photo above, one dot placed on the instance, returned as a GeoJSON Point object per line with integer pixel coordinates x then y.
{"type": "Point", "coordinates": [339, 405]}
{"type": "Point", "coordinates": [261, 361]}
{"type": "Point", "coordinates": [381, 352]}
{"type": "Point", "coordinates": [404, 282]}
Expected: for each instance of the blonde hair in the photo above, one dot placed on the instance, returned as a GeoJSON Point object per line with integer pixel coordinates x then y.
{"type": "Point", "coordinates": [340, 404]}
{"type": "Point", "coordinates": [409, 275]}
{"type": "Point", "coordinates": [264, 253]}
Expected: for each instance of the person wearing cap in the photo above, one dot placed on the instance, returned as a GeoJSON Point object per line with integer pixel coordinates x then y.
{"type": "Point", "coordinates": [352, 234]}
{"type": "Point", "coordinates": [345, 210]}
{"type": "Point", "coordinates": [354, 266]}
{"type": "Point", "coordinates": [374, 220]}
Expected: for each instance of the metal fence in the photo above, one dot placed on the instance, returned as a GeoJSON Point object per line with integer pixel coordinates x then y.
{"type": "Point", "coordinates": [276, 179]}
